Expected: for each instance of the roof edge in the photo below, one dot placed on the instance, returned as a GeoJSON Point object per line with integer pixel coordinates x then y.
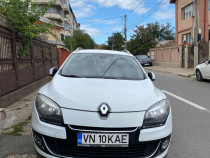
{"type": "Point", "coordinates": [172, 1]}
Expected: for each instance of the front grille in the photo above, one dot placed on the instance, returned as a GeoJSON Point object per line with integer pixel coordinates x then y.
{"type": "Point", "coordinates": [66, 149]}
{"type": "Point", "coordinates": [69, 148]}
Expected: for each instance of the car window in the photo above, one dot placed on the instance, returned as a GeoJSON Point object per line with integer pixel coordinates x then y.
{"type": "Point", "coordinates": [108, 66]}
{"type": "Point", "coordinates": [142, 57]}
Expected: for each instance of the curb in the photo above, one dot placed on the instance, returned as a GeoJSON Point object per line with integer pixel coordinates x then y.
{"type": "Point", "coordinates": [178, 74]}
{"type": "Point", "coordinates": [2, 114]}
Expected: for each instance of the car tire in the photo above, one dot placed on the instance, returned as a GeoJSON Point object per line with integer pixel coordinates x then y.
{"type": "Point", "coordinates": [150, 64]}
{"type": "Point", "coordinates": [38, 155]}
{"type": "Point", "coordinates": [199, 76]}
{"type": "Point", "coordinates": [166, 156]}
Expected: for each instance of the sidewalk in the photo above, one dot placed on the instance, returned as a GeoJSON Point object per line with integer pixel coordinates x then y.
{"type": "Point", "coordinates": [176, 71]}
{"type": "Point", "coordinates": [15, 129]}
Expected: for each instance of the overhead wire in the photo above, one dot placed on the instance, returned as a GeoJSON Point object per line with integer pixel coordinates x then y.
{"type": "Point", "coordinates": [135, 8]}
{"type": "Point", "coordinates": [94, 21]}
{"type": "Point", "coordinates": [146, 15]}
{"type": "Point", "coordinates": [149, 12]}
{"type": "Point", "coordinates": [120, 24]}
{"type": "Point", "coordinates": [80, 3]}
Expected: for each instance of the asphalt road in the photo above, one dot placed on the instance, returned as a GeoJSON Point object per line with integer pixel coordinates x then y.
{"type": "Point", "coordinates": [190, 101]}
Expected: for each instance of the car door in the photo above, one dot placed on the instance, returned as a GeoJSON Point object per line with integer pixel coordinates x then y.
{"type": "Point", "coordinates": [206, 70]}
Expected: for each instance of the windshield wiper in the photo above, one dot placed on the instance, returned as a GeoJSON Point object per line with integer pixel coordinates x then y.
{"type": "Point", "coordinates": [105, 77]}
{"type": "Point", "coordinates": [73, 76]}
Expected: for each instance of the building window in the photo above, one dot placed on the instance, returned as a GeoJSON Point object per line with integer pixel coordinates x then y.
{"type": "Point", "coordinates": [188, 11]}
{"type": "Point", "coordinates": [53, 10]}
{"type": "Point", "coordinates": [209, 5]}
{"type": "Point", "coordinates": [66, 2]}
{"type": "Point", "coordinates": [62, 37]}
{"type": "Point", "coordinates": [187, 38]}
{"type": "Point", "coordinates": [209, 35]}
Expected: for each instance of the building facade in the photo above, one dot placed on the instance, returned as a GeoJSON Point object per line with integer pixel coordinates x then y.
{"type": "Point", "coordinates": [62, 16]}
{"type": "Point", "coordinates": [191, 21]}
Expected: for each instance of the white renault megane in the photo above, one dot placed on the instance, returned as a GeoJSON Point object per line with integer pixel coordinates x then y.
{"type": "Point", "coordinates": [101, 103]}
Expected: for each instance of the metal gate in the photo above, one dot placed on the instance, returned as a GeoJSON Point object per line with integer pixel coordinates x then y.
{"type": "Point", "coordinates": [183, 56]}
{"type": "Point", "coordinates": [203, 52]}
{"type": "Point", "coordinates": [191, 56]}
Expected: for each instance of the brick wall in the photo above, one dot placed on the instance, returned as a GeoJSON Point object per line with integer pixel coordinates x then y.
{"type": "Point", "coordinates": [167, 55]}
{"type": "Point", "coordinates": [63, 55]}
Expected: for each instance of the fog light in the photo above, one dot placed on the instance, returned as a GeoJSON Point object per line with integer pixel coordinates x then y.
{"type": "Point", "coordinates": [37, 139]}
{"type": "Point", "coordinates": [165, 144]}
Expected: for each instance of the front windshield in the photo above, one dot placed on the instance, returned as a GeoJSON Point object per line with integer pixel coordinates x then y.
{"type": "Point", "coordinates": [108, 66]}
{"type": "Point", "coordinates": [142, 57]}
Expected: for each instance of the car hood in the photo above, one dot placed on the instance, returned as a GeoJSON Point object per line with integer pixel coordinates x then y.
{"type": "Point", "coordinates": [143, 59]}
{"type": "Point", "coordinates": [88, 93]}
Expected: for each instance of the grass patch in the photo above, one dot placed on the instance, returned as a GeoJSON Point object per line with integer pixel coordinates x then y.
{"type": "Point", "coordinates": [188, 76]}
{"type": "Point", "coordinates": [18, 129]}
{"type": "Point", "coordinates": [26, 99]}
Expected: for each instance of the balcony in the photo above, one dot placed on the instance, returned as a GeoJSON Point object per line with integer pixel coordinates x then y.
{"type": "Point", "coordinates": [66, 9]}
{"type": "Point", "coordinates": [67, 20]}
{"type": "Point", "coordinates": [67, 27]}
{"type": "Point", "coordinates": [57, 3]}
{"type": "Point", "coordinates": [67, 33]}
{"type": "Point", "coordinates": [54, 16]}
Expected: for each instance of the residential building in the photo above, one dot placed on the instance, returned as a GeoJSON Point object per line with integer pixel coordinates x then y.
{"type": "Point", "coordinates": [62, 16]}
{"type": "Point", "coordinates": [186, 20]}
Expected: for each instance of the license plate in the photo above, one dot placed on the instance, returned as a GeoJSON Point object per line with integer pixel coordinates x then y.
{"type": "Point", "coordinates": [103, 140]}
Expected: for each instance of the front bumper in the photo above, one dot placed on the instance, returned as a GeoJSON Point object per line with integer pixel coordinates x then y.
{"type": "Point", "coordinates": [57, 141]}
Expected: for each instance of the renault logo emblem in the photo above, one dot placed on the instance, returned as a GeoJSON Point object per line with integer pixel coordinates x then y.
{"type": "Point", "coordinates": [103, 110]}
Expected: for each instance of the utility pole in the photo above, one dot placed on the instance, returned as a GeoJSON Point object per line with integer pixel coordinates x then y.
{"type": "Point", "coordinates": [113, 42]}
{"type": "Point", "coordinates": [196, 22]}
{"type": "Point", "coordinates": [125, 32]}
{"type": "Point", "coordinates": [196, 35]}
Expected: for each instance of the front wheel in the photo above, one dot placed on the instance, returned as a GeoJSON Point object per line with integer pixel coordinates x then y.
{"type": "Point", "coordinates": [199, 75]}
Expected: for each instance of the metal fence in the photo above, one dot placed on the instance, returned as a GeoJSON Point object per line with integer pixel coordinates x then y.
{"type": "Point", "coordinates": [17, 72]}
{"type": "Point", "coordinates": [203, 54]}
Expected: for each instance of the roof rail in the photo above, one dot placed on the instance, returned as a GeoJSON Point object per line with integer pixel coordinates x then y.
{"type": "Point", "coordinates": [78, 49]}
{"type": "Point", "coordinates": [126, 51]}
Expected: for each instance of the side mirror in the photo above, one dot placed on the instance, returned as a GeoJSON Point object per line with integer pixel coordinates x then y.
{"type": "Point", "coordinates": [151, 76]}
{"type": "Point", "coordinates": [53, 71]}
{"type": "Point", "coordinates": [207, 62]}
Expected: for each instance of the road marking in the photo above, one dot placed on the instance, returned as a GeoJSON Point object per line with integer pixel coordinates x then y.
{"type": "Point", "coordinates": [185, 101]}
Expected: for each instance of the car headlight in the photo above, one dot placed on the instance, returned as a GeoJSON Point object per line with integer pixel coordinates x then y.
{"type": "Point", "coordinates": [48, 110]}
{"type": "Point", "coordinates": [157, 114]}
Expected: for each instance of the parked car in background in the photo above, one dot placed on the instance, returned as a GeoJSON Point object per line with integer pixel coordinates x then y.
{"type": "Point", "coordinates": [101, 103]}
{"type": "Point", "coordinates": [202, 71]}
{"type": "Point", "coordinates": [144, 60]}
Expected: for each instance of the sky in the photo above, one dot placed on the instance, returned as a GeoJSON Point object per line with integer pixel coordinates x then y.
{"type": "Point", "coordinates": [101, 18]}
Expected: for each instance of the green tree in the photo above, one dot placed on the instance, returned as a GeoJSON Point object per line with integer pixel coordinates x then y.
{"type": "Point", "coordinates": [79, 39]}
{"type": "Point", "coordinates": [144, 37]}
{"type": "Point", "coordinates": [24, 18]}
{"type": "Point", "coordinates": [141, 41]}
{"type": "Point", "coordinates": [116, 41]}
{"type": "Point", "coordinates": [161, 31]}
